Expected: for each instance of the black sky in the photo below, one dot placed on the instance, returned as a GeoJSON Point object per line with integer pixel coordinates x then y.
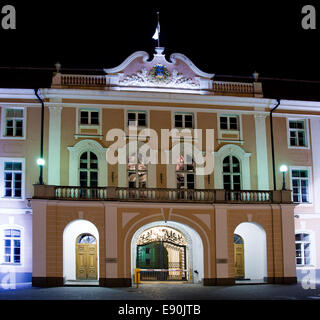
{"type": "Point", "coordinates": [221, 37]}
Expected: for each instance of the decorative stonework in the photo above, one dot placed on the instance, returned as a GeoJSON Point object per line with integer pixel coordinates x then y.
{"type": "Point", "coordinates": [161, 234]}
{"type": "Point", "coordinates": [150, 79]}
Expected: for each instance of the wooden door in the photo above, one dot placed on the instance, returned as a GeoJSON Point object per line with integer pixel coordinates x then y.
{"type": "Point", "coordinates": [86, 259]}
{"type": "Point", "coordinates": [238, 257]}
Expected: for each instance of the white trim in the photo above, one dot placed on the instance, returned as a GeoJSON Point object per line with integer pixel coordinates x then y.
{"type": "Point", "coordinates": [230, 113]}
{"type": "Point", "coordinates": [74, 160]}
{"type": "Point", "coordinates": [12, 159]}
{"type": "Point", "coordinates": [313, 244]}
{"type": "Point", "coordinates": [310, 186]}
{"type": "Point", "coordinates": [307, 135]}
{"type": "Point", "coordinates": [3, 123]}
{"type": "Point", "coordinates": [243, 157]}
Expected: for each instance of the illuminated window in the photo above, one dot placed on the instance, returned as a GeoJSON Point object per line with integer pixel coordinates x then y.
{"type": "Point", "coordinates": [88, 170]}
{"type": "Point", "coordinates": [13, 179]}
{"type": "Point", "coordinates": [229, 122]}
{"type": "Point", "coordinates": [137, 119]}
{"type": "Point", "coordinates": [13, 125]}
{"type": "Point", "coordinates": [137, 172]}
{"type": "Point", "coordinates": [297, 133]}
{"type": "Point", "coordinates": [12, 246]}
{"type": "Point", "coordinates": [231, 173]}
{"type": "Point", "coordinates": [185, 172]}
{"type": "Point", "coordinates": [183, 120]}
{"type": "Point", "coordinates": [300, 185]}
{"type": "Point", "coordinates": [303, 246]}
{"type": "Point", "coordinates": [89, 117]}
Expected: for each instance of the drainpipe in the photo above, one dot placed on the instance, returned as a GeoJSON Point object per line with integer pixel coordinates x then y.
{"type": "Point", "coordinates": [272, 145]}
{"type": "Point", "coordinates": [41, 137]}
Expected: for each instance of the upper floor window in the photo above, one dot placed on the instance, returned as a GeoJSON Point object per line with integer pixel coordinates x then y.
{"type": "Point", "coordinates": [185, 172]}
{"type": "Point", "coordinates": [137, 119]}
{"type": "Point", "coordinates": [88, 170]}
{"type": "Point", "coordinates": [13, 122]}
{"type": "Point", "coordinates": [137, 172]}
{"type": "Point", "coordinates": [89, 117]}
{"type": "Point", "coordinates": [303, 246]}
{"type": "Point", "coordinates": [183, 120]}
{"type": "Point", "coordinates": [300, 185]}
{"type": "Point", "coordinates": [229, 122]}
{"type": "Point", "coordinates": [231, 173]}
{"type": "Point", "coordinates": [12, 246]}
{"type": "Point", "coordinates": [13, 179]}
{"type": "Point", "coordinates": [297, 133]}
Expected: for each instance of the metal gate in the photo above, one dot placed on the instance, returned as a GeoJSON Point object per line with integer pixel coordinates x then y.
{"type": "Point", "coordinates": [162, 261]}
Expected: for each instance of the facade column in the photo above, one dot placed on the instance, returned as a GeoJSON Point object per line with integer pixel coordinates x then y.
{"type": "Point", "coordinates": [54, 145]}
{"type": "Point", "coordinates": [262, 154]}
{"type": "Point", "coordinates": [221, 240]}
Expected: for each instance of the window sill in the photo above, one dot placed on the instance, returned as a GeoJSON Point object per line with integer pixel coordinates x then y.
{"type": "Point", "coordinates": [12, 199]}
{"type": "Point", "coordinates": [12, 138]}
{"type": "Point", "coordinates": [11, 264]}
{"type": "Point", "coordinates": [299, 147]}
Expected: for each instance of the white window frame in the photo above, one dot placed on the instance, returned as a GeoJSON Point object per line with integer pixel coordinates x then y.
{"type": "Point", "coordinates": [137, 112]}
{"type": "Point", "coordinates": [230, 131]}
{"type": "Point", "coordinates": [89, 126]}
{"type": "Point", "coordinates": [21, 229]}
{"type": "Point", "coordinates": [2, 183]}
{"type": "Point", "coordinates": [313, 256]}
{"type": "Point", "coordinates": [228, 116]}
{"type": "Point", "coordinates": [183, 113]}
{"type": "Point", "coordinates": [4, 121]}
{"type": "Point", "coordinates": [88, 170]}
{"type": "Point", "coordinates": [307, 135]}
{"type": "Point", "coordinates": [310, 189]}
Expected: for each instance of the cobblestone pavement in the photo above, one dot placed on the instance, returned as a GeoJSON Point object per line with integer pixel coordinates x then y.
{"type": "Point", "coordinates": [165, 292]}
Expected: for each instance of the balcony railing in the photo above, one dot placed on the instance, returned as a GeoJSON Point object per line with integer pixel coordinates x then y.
{"type": "Point", "coordinates": [160, 195]}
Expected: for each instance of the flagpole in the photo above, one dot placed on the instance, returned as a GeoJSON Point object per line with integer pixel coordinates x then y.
{"type": "Point", "coordinates": [159, 30]}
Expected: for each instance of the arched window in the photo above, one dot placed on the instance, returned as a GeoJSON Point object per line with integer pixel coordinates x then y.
{"type": "Point", "coordinates": [303, 249]}
{"type": "Point", "coordinates": [185, 171]}
{"type": "Point", "coordinates": [231, 173]}
{"type": "Point", "coordinates": [88, 170]}
{"type": "Point", "coordinates": [137, 171]}
{"type": "Point", "coordinates": [86, 238]}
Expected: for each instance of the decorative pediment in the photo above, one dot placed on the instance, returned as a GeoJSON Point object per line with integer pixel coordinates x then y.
{"type": "Point", "coordinates": [178, 73]}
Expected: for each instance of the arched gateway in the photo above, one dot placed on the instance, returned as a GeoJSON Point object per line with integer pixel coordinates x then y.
{"type": "Point", "coordinates": [167, 251]}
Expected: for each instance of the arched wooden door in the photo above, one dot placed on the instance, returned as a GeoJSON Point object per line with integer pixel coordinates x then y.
{"type": "Point", "coordinates": [238, 257]}
{"type": "Point", "coordinates": [86, 257]}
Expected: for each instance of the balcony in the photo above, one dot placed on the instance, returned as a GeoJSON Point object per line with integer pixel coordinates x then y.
{"type": "Point", "coordinates": [161, 195]}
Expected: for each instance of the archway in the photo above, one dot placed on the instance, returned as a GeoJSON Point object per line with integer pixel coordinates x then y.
{"type": "Point", "coordinates": [255, 250]}
{"type": "Point", "coordinates": [75, 234]}
{"type": "Point", "coordinates": [181, 246]}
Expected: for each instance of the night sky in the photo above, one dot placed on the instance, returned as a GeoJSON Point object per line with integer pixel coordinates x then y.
{"type": "Point", "coordinates": [229, 38]}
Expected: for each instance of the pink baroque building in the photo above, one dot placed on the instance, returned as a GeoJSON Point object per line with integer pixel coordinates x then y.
{"type": "Point", "coordinates": [95, 220]}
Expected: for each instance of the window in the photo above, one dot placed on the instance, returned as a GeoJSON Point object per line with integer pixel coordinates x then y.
{"type": "Point", "coordinates": [13, 179]}
{"type": "Point", "coordinates": [89, 117]}
{"type": "Point", "coordinates": [183, 120]}
{"type": "Point", "coordinates": [12, 246]}
{"type": "Point", "coordinates": [303, 245]}
{"type": "Point", "coordinates": [137, 119]}
{"type": "Point", "coordinates": [231, 173]}
{"type": "Point", "coordinates": [300, 185]}
{"type": "Point", "coordinates": [185, 171]}
{"type": "Point", "coordinates": [137, 172]}
{"type": "Point", "coordinates": [297, 133]}
{"type": "Point", "coordinates": [88, 170]}
{"type": "Point", "coordinates": [13, 125]}
{"type": "Point", "coordinates": [229, 122]}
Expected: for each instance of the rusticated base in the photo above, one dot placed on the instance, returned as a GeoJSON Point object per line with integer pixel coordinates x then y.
{"type": "Point", "coordinates": [45, 282]}
{"type": "Point", "coordinates": [115, 282]}
{"type": "Point", "coordinates": [218, 281]}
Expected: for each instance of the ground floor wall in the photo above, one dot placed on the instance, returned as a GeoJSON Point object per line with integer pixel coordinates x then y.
{"type": "Point", "coordinates": [116, 226]}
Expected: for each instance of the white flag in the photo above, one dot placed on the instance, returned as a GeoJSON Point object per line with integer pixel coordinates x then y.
{"type": "Point", "coordinates": [157, 32]}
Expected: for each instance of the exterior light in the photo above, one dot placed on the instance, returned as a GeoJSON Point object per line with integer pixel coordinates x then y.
{"type": "Point", "coordinates": [40, 162]}
{"type": "Point", "coordinates": [283, 169]}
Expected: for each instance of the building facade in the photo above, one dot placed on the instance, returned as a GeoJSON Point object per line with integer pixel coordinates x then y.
{"type": "Point", "coordinates": [157, 166]}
